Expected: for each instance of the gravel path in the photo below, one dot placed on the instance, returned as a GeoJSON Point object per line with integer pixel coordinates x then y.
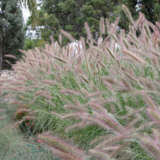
{"type": "Point", "coordinates": [7, 74]}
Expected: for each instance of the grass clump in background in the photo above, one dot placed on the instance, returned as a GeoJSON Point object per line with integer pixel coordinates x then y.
{"type": "Point", "coordinates": [102, 101]}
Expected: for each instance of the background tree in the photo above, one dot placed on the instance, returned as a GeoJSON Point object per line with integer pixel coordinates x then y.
{"type": "Point", "coordinates": [72, 14]}
{"type": "Point", "coordinates": [11, 30]}
{"type": "Point", "coordinates": [151, 9]}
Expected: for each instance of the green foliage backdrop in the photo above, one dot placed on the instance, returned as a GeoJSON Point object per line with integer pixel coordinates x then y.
{"type": "Point", "coordinates": [71, 15]}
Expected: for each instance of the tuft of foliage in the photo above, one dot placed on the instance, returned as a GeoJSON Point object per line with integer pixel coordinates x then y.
{"type": "Point", "coordinates": [33, 43]}
{"type": "Point", "coordinates": [13, 145]}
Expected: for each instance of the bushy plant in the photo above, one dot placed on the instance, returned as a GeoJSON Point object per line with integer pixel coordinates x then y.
{"type": "Point", "coordinates": [116, 89]}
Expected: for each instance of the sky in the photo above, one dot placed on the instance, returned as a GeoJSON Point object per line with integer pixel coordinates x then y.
{"type": "Point", "coordinates": [26, 13]}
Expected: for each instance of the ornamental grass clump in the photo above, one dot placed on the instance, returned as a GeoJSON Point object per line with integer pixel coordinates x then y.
{"type": "Point", "coordinates": [113, 88]}
{"type": "Point", "coordinates": [61, 148]}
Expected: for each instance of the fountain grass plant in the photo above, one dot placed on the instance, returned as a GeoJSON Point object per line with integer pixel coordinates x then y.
{"type": "Point", "coordinates": [104, 100]}
{"type": "Point", "coordinates": [14, 145]}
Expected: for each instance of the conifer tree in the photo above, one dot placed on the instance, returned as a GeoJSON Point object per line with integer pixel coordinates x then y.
{"type": "Point", "coordinates": [11, 30]}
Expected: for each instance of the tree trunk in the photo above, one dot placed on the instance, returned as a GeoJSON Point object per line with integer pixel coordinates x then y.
{"type": "Point", "coordinates": [1, 52]}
